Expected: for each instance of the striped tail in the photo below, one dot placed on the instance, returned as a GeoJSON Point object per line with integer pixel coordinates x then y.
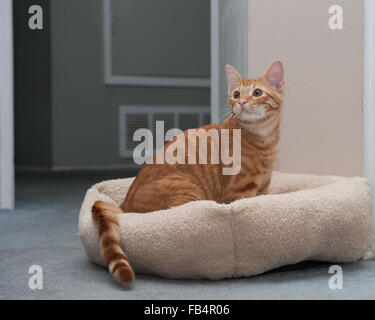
{"type": "Point", "coordinates": [104, 215]}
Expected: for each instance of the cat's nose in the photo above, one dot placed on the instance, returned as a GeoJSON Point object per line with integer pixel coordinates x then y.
{"type": "Point", "coordinates": [242, 103]}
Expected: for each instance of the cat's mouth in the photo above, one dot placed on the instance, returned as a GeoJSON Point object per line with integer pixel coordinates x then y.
{"type": "Point", "coordinates": [248, 108]}
{"type": "Point", "coordinates": [249, 113]}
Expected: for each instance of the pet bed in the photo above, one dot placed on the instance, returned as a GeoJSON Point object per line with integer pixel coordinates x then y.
{"type": "Point", "coordinates": [305, 217]}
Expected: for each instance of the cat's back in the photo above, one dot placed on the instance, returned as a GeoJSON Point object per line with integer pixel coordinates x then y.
{"type": "Point", "coordinates": [162, 162]}
{"type": "Point", "coordinates": [155, 172]}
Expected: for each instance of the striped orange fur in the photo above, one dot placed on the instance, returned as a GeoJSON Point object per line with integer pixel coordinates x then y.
{"type": "Point", "coordinates": [255, 109]}
{"type": "Point", "coordinates": [105, 217]}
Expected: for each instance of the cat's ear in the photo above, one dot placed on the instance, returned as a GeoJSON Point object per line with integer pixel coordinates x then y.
{"type": "Point", "coordinates": [275, 76]}
{"type": "Point", "coordinates": [233, 78]}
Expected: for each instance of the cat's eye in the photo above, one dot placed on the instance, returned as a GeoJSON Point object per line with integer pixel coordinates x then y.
{"type": "Point", "coordinates": [236, 94]}
{"type": "Point", "coordinates": [257, 93]}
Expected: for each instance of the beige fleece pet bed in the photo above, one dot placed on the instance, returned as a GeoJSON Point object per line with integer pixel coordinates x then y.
{"type": "Point", "coordinates": [305, 217]}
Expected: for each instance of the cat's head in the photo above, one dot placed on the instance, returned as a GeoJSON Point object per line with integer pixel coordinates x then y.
{"type": "Point", "coordinates": [254, 100]}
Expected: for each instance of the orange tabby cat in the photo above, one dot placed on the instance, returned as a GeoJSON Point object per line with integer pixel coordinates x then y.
{"type": "Point", "coordinates": [255, 107]}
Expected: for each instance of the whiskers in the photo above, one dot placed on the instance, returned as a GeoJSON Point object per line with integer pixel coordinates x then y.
{"type": "Point", "coordinates": [225, 115]}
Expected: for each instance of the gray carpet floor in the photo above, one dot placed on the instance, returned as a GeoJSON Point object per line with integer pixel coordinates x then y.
{"type": "Point", "coordinates": [43, 231]}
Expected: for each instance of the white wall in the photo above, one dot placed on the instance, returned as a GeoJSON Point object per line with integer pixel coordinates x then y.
{"type": "Point", "coordinates": [229, 44]}
{"type": "Point", "coordinates": [369, 99]}
{"type": "Point", "coordinates": [322, 123]}
{"type": "Point", "coordinates": [6, 106]}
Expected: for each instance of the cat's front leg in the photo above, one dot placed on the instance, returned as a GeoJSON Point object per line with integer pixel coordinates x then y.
{"type": "Point", "coordinates": [248, 190]}
{"type": "Point", "coordinates": [263, 189]}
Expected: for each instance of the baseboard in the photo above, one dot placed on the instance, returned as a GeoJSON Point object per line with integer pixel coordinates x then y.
{"type": "Point", "coordinates": [127, 166]}
{"type": "Point", "coordinates": [115, 167]}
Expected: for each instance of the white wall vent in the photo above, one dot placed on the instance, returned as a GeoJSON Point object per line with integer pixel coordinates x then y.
{"type": "Point", "coordinates": [132, 118]}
